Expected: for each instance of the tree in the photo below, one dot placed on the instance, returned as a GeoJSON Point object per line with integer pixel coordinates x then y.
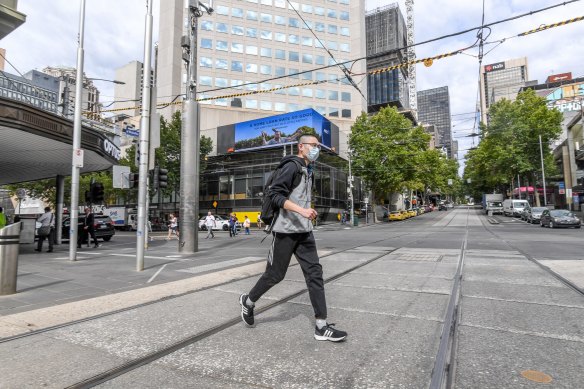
{"type": "Point", "coordinates": [385, 149]}
{"type": "Point", "coordinates": [510, 143]}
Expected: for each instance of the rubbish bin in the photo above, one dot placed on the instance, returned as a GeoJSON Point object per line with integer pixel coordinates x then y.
{"type": "Point", "coordinates": [355, 221]}
{"type": "Point", "coordinates": [9, 248]}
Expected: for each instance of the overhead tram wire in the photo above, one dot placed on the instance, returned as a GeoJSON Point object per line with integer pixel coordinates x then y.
{"type": "Point", "coordinates": [341, 65]}
{"type": "Point", "coordinates": [403, 48]}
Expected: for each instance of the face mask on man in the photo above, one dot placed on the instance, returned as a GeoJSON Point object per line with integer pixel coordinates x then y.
{"type": "Point", "coordinates": [313, 154]}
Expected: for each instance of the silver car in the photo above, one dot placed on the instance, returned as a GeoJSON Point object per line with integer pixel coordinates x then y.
{"type": "Point", "coordinates": [534, 214]}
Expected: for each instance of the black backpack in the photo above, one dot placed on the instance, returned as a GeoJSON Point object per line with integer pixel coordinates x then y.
{"type": "Point", "coordinates": [269, 210]}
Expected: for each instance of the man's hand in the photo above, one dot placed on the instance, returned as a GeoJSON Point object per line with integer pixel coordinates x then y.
{"type": "Point", "coordinates": [309, 213]}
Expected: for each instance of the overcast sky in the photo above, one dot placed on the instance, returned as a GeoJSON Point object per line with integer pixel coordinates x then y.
{"type": "Point", "coordinates": [114, 33]}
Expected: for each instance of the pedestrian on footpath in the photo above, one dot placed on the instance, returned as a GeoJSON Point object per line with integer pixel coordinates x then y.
{"type": "Point", "coordinates": [2, 218]}
{"type": "Point", "coordinates": [259, 222]}
{"type": "Point", "coordinates": [46, 230]}
{"type": "Point", "coordinates": [172, 226]}
{"type": "Point", "coordinates": [210, 223]}
{"type": "Point", "coordinates": [232, 225]}
{"type": "Point", "coordinates": [89, 229]}
{"type": "Point", "coordinates": [246, 225]}
{"type": "Point", "coordinates": [292, 234]}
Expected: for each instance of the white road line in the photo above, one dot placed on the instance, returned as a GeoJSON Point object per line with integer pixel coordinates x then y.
{"type": "Point", "coordinates": [155, 274]}
{"type": "Point", "coordinates": [134, 255]}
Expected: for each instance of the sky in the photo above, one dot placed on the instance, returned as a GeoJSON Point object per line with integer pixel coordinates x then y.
{"type": "Point", "coordinates": [114, 36]}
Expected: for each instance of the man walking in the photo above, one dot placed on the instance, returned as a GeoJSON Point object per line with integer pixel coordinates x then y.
{"type": "Point", "coordinates": [210, 223]}
{"type": "Point", "coordinates": [47, 219]}
{"type": "Point", "coordinates": [89, 229]}
{"type": "Point", "coordinates": [292, 232]}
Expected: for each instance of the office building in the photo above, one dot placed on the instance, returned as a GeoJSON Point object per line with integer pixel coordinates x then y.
{"type": "Point", "coordinates": [501, 80]}
{"type": "Point", "coordinates": [385, 32]}
{"type": "Point", "coordinates": [434, 108]}
{"type": "Point", "coordinates": [129, 94]}
{"type": "Point", "coordinates": [37, 89]}
{"type": "Point", "coordinates": [255, 45]}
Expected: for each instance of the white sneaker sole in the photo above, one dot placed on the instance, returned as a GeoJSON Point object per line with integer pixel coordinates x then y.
{"type": "Point", "coordinates": [320, 337]}
{"type": "Point", "coordinates": [242, 317]}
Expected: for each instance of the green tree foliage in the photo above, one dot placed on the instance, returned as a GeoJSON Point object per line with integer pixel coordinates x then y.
{"type": "Point", "coordinates": [386, 150]}
{"type": "Point", "coordinates": [510, 144]}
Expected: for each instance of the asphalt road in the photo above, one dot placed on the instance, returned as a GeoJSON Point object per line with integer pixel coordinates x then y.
{"type": "Point", "coordinates": [446, 297]}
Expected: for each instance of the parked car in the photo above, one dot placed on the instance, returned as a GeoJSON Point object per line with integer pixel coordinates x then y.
{"type": "Point", "coordinates": [412, 212]}
{"type": "Point", "coordinates": [534, 214]}
{"type": "Point", "coordinates": [513, 207]}
{"type": "Point", "coordinates": [428, 208]}
{"type": "Point", "coordinates": [221, 223]}
{"type": "Point", "coordinates": [396, 215]}
{"type": "Point", "coordinates": [556, 218]}
{"type": "Point", "coordinates": [104, 227]}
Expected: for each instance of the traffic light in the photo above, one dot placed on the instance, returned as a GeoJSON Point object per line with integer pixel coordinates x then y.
{"type": "Point", "coordinates": [134, 178]}
{"type": "Point", "coordinates": [159, 178]}
{"type": "Point", "coordinates": [97, 192]}
{"type": "Point", "coordinates": [88, 197]}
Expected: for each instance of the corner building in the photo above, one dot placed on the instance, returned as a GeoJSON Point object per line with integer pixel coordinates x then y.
{"type": "Point", "coordinates": [256, 45]}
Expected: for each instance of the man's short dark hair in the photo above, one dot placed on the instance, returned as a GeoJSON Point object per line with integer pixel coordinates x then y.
{"type": "Point", "coordinates": [47, 209]}
{"type": "Point", "coordinates": [304, 137]}
{"type": "Point", "coordinates": [1, 209]}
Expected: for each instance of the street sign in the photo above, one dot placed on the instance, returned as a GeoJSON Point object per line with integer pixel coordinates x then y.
{"type": "Point", "coordinates": [78, 158]}
{"type": "Point", "coordinates": [569, 193]}
{"type": "Point", "coordinates": [215, 203]}
{"type": "Point", "coordinates": [134, 133]}
{"type": "Point", "coordinates": [562, 187]}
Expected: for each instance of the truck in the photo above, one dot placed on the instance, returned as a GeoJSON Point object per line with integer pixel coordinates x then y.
{"type": "Point", "coordinates": [493, 202]}
{"type": "Point", "coordinates": [124, 219]}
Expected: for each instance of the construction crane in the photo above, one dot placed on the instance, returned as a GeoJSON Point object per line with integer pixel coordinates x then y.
{"type": "Point", "coordinates": [411, 55]}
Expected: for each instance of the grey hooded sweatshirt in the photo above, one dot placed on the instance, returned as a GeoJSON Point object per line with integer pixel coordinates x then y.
{"type": "Point", "coordinates": [287, 221]}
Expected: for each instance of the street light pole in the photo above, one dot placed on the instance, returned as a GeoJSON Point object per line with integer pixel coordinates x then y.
{"type": "Point", "coordinates": [351, 191]}
{"type": "Point", "coordinates": [144, 143]}
{"type": "Point", "coordinates": [542, 173]}
{"type": "Point", "coordinates": [77, 157]}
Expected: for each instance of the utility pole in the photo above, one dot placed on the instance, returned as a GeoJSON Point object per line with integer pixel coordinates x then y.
{"type": "Point", "coordinates": [77, 157]}
{"type": "Point", "coordinates": [190, 134]}
{"type": "Point", "coordinates": [351, 191]}
{"type": "Point", "coordinates": [144, 143]}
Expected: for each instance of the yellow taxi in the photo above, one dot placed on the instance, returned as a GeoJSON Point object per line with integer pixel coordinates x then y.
{"type": "Point", "coordinates": [395, 215]}
{"type": "Point", "coordinates": [411, 212]}
{"type": "Point", "coordinates": [405, 214]}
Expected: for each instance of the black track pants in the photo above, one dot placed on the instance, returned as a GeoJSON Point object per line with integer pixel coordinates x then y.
{"type": "Point", "coordinates": [304, 247]}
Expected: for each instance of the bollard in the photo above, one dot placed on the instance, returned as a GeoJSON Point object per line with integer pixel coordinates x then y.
{"type": "Point", "coordinates": [9, 248]}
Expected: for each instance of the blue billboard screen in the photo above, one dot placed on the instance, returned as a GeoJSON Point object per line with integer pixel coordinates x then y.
{"type": "Point", "coordinates": [281, 129]}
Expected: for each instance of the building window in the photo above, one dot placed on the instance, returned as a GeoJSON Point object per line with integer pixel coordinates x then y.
{"type": "Point", "coordinates": [293, 39]}
{"type": "Point", "coordinates": [306, 41]}
{"type": "Point", "coordinates": [332, 45]}
{"type": "Point", "coordinates": [222, 10]}
{"type": "Point", "coordinates": [266, 69]}
{"type": "Point", "coordinates": [221, 82]}
{"type": "Point", "coordinates": [222, 27]}
{"type": "Point", "coordinates": [252, 104]}
{"type": "Point", "coordinates": [307, 8]}
{"type": "Point", "coordinates": [307, 92]}
{"type": "Point", "coordinates": [293, 107]}
{"type": "Point", "coordinates": [221, 102]}
{"type": "Point", "coordinates": [280, 54]}
{"type": "Point", "coordinates": [320, 94]}
{"type": "Point", "coordinates": [319, 27]}
{"type": "Point", "coordinates": [333, 112]}
{"type": "Point", "coordinates": [252, 15]}
{"type": "Point", "coordinates": [280, 71]}
{"type": "Point", "coordinates": [345, 31]}
{"type": "Point", "coordinates": [332, 29]}
{"type": "Point", "coordinates": [346, 2]}
{"type": "Point", "coordinates": [251, 50]}
{"type": "Point", "coordinates": [307, 25]}
{"type": "Point", "coordinates": [293, 73]}
{"type": "Point", "coordinates": [265, 105]}
{"type": "Point", "coordinates": [221, 64]}
{"type": "Point", "coordinates": [265, 86]}
{"type": "Point", "coordinates": [333, 95]}
{"type": "Point", "coordinates": [293, 56]}
{"type": "Point", "coordinates": [222, 45]}
{"type": "Point", "coordinates": [307, 76]}
{"type": "Point", "coordinates": [251, 68]}
{"type": "Point", "coordinates": [266, 52]}
{"type": "Point", "coordinates": [344, 15]}
{"type": "Point", "coordinates": [280, 37]}
{"type": "Point", "coordinates": [319, 60]}
{"type": "Point", "coordinates": [294, 91]}
{"type": "Point", "coordinates": [281, 20]}
{"type": "Point", "coordinates": [237, 30]}
{"type": "Point", "coordinates": [237, 47]}
{"type": "Point", "coordinates": [266, 2]}
{"type": "Point", "coordinates": [206, 62]}
{"type": "Point", "coordinates": [237, 12]}
{"type": "Point", "coordinates": [280, 107]}
{"type": "Point", "coordinates": [293, 22]}
{"type": "Point", "coordinates": [344, 47]}
{"type": "Point", "coordinates": [206, 43]}
{"type": "Point", "coordinates": [307, 58]}
{"type": "Point", "coordinates": [346, 96]}
{"type": "Point", "coordinates": [319, 11]}
{"type": "Point", "coordinates": [206, 25]}
{"type": "Point", "coordinates": [293, 5]}
{"type": "Point", "coordinates": [251, 32]}
{"type": "Point", "coordinates": [280, 3]}
{"type": "Point", "coordinates": [236, 66]}
{"type": "Point", "coordinates": [279, 91]}
{"type": "Point", "coordinates": [331, 13]}
{"type": "Point", "coordinates": [236, 83]}
{"type": "Point", "coordinates": [320, 76]}
{"type": "Point", "coordinates": [266, 18]}
{"type": "Point", "coordinates": [265, 34]}
{"type": "Point", "coordinates": [346, 113]}
{"type": "Point", "coordinates": [205, 80]}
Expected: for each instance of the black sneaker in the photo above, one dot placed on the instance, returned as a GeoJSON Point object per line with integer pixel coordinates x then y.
{"type": "Point", "coordinates": [329, 333]}
{"type": "Point", "coordinates": [246, 311]}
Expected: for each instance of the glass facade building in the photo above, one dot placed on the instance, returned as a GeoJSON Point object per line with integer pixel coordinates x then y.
{"type": "Point", "coordinates": [434, 109]}
{"type": "Point", "coordinates": [386, 31]}
{"type": "Point", "coordinates": [43, 95]}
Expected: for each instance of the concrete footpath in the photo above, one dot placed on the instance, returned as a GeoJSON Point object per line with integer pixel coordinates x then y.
{"type": "Point", "coordinates": [516, 321]}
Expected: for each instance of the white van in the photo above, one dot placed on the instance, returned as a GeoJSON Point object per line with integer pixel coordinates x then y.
{"type": "Point", "coordinates": [512, 207]}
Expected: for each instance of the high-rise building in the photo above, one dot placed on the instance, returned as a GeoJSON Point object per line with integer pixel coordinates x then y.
{"type": "Point", "coordinates": [261, 45]}
{"type": "Point", "coordinates": [35, 88]}
{"type": "Point", "coordinates": [129, 94]}
{"type": "Point", "coordinates": [434, 108]}
{"type": "Point", "coordinates": [501, 80]}
{"type": "Point", "coordinates": [385, 32]}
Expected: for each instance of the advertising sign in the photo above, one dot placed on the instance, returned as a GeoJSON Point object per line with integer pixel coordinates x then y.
{"type": "Point", "coordinates": [282, 129]}
{"type": "Point", "coordinates": [494, 66]}
{"type": "Point", "coordinates": [566, 98]}
{"type": "Point", "coordinates": [559, 77]}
